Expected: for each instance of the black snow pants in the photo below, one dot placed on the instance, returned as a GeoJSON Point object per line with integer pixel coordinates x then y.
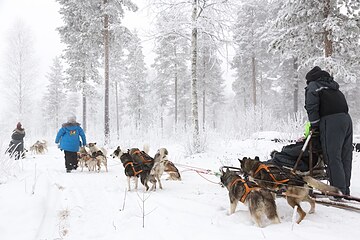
{"type": "Point", "coordinates": [71, 160]}
{"type": "Point", "coordinates": [336, 141]}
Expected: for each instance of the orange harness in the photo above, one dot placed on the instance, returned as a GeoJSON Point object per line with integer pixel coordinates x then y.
{"type": "Point", "coordinates": [132, 166]}
{"type": "Point", "coordinates": [247, 188]}
{"type": "Point", "coordinates": [266, 168]}
{"type": "Point", "coordinates": [138, 152]}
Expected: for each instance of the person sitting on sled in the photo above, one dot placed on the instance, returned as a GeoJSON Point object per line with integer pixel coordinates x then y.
{"type": "Point", "coordinates": [289, 154]}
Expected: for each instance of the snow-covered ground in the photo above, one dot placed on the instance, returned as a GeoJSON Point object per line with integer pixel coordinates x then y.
{"type": "Point", "coordinates": [41, 201]}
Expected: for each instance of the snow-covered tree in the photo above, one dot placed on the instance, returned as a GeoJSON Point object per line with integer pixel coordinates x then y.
{"type": "Point", "coordinates": [87, 31]}
{"type": "Point", "coordinates": [55, 96]}
{"type": "Point", "coordinates": [137, 86]}
{"type": "Point", "coordinates": [172, 54]}
{"type": "Point", "coordinates": [120, 38]}
{"type": "Point", "coordinates": [319, 32]}
{"type": "Point", "coordinates": [250, 48]}
{"type": "Point", "coordinates": [211, 83]}
{"type": "Point", "coordinates": [20, 71]}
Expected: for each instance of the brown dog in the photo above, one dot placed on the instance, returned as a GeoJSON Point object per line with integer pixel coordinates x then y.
{"type": "Point", "coordinates": [260, 201]}
{"type": "Point", "coordinates": [295, 187]}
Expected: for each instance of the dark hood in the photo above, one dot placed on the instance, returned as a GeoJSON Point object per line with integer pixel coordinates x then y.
{"type": "Point", "coordinates": [319, 75]}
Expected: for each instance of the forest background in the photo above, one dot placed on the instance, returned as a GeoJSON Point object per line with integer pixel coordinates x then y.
{"type": "Point", "coordinates": [178, 70]}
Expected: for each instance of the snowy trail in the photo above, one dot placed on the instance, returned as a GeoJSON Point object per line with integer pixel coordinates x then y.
{"type": "Point", "coordinates": [88, 205]}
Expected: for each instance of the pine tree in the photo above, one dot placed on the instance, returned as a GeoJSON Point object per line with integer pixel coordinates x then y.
{"type": "Point", "coordinates": [137, 86]}
{"type": "Point", "coordinates": [320, 32]}
{"type": "Point", "coordinates": [55, 96]}
{"type": "Point", "coordinates": [250, 51]}
{"type": "Point", "coordinates": [170, 65]}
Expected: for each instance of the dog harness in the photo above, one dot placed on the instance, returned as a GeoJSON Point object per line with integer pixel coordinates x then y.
{"type": "Point", "coordinates": [132, 166]}
{"type": "Point", "coordinates": [138, 152]}
{"type": "Point", "coordinates": [266, 168]}
{"type": "Point", "coordinates": [247, 188]}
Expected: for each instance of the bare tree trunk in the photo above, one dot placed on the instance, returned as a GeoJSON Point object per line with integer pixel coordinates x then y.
{"type": "Point", "coordinates": [106, 49]}
{"type": "Point", "coordinates": [176, 92]}
{"type": "Point", "coordinates": [138, 114]}
{"type": "Point", "coordinates": [261, 103]}
{"type": "Point", "coordinates": [84, 104]}
{"type": "Point", "coordinates": [328, 48]}
{"type": "Point", "coordinates": [185, 118]}
{"type": "Point", "coordinates": [204, 91]}
{"type": "Point", "coordinates": [20, 91]}
{"type": "Point", "coordinates": [162, 124]}
{"type": "Point", "coordinates": [253, 79]}
{"type": "Point", "coordinates": [296, 84]}
{"type": "Point", "coordinates": [195, 117]}
{"type": "Point", "coordinates": [117, 111]}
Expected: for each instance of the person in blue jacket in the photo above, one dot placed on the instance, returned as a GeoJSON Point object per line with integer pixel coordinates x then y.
{"type": "Point", "coordinates": [69, 138]}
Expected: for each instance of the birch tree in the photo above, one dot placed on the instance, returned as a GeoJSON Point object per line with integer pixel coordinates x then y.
{"type": "Point", "coordinates": [20, 70]}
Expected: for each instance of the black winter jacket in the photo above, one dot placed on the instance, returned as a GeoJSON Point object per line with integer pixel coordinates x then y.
{"type": "Point", "coordinates": [322, 98]}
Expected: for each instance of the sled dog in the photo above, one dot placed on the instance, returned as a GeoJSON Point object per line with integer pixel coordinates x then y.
{"type": "Point", "coordinates": [99, 154]}
{"type": "Point", "coordinates": [136, 164]}
{"type": "Point", "coordinates": [158, 169]}
{"type": "Point", "coordinates": [260, 201]}
{"type": "Point", "coordinates": [39, 147]}
{"type": "Point", "coordinates": [295, 187]}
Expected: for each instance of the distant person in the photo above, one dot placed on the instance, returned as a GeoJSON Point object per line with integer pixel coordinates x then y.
{"type": "Point", "coordinates": [16, 146]}
{"type": "Point", "coordinates": [327, 110]}
{"type": "Point", "coordinates": [69, 139]}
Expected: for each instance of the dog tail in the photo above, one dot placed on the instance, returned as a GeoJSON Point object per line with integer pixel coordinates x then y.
{"type": "Point", "coordinates": [146, 148]}
{"type": "Point", "coordinates": [312, 182]}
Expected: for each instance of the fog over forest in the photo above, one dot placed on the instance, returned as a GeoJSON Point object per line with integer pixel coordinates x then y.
{"type": "Point", "coordinates": [155, 69]}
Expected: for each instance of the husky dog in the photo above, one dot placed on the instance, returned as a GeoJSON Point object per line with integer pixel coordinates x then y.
{"type": "Point", "coordinates": [136, 163]}
{"type": "Point", "coordinates": [295, 187]}
{"type": "Point", "coordinates": [158, 168]}
{"type": "Point", "coordinates": [170, 169]}
{"type": "Point", "coordinates": [39, 147]}
{"type": "Point", "coordinates": [130, 173]}
{"type": "Point", "coordinates": [83, 158]}
{"type": "Point", "coordinates": [260, 201]}
{"type": "Point", "coordinates": [99, 154]}
{"type": "Point", "coordinates": [163, 164]}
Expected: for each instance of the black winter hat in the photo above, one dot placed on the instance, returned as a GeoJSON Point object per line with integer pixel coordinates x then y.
{"type": "Point", "coordinates": [315, 74]}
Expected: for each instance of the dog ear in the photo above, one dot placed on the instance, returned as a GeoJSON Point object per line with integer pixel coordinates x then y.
{"type": "Point", "coordinates": [257, 158]}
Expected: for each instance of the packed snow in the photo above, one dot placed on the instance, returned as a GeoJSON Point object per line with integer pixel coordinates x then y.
{"type": "Point", "coordinates": [39, 200]}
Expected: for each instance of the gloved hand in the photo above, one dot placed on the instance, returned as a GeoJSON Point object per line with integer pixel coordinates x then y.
{"type": "Point", "coordinates": [314, 128]}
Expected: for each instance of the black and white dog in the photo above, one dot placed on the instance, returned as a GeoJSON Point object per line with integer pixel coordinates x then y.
{"type": "Point", "coordinates": [136, 164]}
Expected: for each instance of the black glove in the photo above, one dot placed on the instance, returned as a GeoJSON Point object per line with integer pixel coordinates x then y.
{"type": "Point", "coordinates": [314, 128]}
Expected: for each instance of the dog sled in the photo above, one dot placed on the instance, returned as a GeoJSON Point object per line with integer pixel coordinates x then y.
{"type": "Point", "coordinates": [305, 159]}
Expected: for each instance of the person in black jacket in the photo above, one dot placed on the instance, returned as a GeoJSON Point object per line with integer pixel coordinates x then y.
{"type": "Point", "coordinates": [327, 111]}
{"type": "Point", "coordinates": [16, 146]}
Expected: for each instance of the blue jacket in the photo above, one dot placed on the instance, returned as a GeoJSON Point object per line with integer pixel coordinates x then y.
{"type": "Point", "coordinates": [69, 137]}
